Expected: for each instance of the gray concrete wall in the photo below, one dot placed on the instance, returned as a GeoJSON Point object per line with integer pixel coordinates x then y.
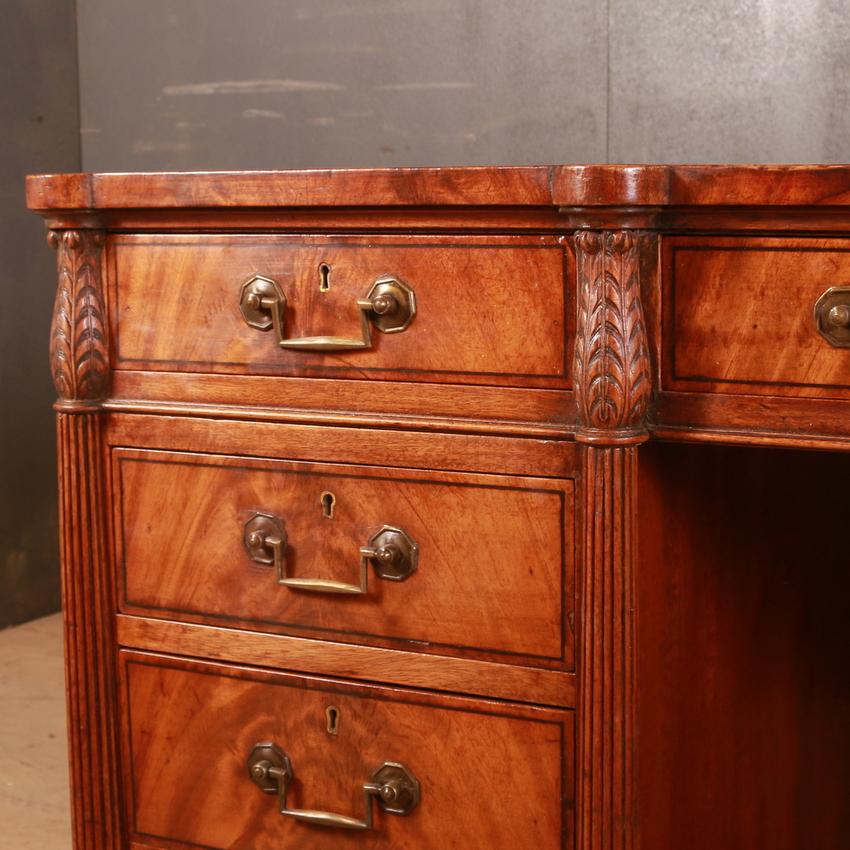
{"type": "Point", "coordinates": [300, 83]}
{"type": "Point", "coordinates": [38, 132]}
{"type": "Point", "coordinates": [283, 84]}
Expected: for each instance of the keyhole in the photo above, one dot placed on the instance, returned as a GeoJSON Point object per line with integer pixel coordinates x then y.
{"type": "Point", "coordinates": [324, 277]}
{"type": "Point", "coordinates": [332, 713]}
{"type": "Point", "coordinates": [328, 502]}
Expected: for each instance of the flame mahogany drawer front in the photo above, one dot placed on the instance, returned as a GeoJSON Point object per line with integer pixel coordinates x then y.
{"type": "Point", "coordinates": [757, 315]}
{"type": "Point", "coordinates": [442, 309]}
{"type": "Point", "coordinates": [441, 771]}
{"type": "Point", "coordinates": [351, 553]}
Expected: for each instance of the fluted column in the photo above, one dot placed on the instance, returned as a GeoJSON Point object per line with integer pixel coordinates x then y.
{"type": "Point", "coordinates": [612, 385]}
{"type": "Point", "coordinates": [79, 361]}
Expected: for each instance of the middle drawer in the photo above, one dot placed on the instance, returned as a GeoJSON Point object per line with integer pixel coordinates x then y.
{"type": "Point", "coordinates": [455, 563]}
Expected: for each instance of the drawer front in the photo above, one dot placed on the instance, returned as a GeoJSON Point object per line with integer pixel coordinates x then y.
{"type": "Point", "coordinates": [476, 773]}
{"type": "Point", "coordinates": [739, 315]}
{"type": "Point", "coordinates": [485, 311]}
{"type": "Point", "coordinates": [483, 564]}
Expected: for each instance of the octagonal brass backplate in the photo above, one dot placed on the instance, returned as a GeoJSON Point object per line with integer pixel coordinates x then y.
{"type": "Point", "coordinates": [832, 316]}
{"type": "Point", "coordinates": [404, 305]}
{"type": "Point", "coordinates": [407, 559]}
{"type": "Point", "coordinates": [253, 292]}
{"type": "Point", "coordinates": [261, 758]}
{"type": "Point", "coordinates": [404, 788]}
{"type": "Point", "coordinates": [256, 530]}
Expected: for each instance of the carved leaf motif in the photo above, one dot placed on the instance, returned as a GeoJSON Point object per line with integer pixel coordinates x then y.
{"type": "Point", "coordinates": [78, 352]}
{"type": "Point", "coordinates": [61, 333]}
{"type": "Point", "coordinates": [612, 376]}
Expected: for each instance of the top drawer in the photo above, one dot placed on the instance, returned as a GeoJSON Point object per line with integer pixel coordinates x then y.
{"type": "Point", "coordinates": [487, 310]}
{"type": "Point", "coordinates": [745, 315]}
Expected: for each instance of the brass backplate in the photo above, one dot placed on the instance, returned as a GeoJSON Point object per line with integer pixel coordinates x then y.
{"type": "Point", "coordinates": [263, 756]}
{"type": "Point", "coordinates": [405, 305]}
{"type": "Point", "coordinates": [407, 559]}
{"type": "Point", "coordinates": [404, 785]}
{"type": "Point", "coordinates": [832, 316]}
{"type": "Point", "coordinates": [266, 525]}
{"type": "Point", "coordinates": [250, 301]}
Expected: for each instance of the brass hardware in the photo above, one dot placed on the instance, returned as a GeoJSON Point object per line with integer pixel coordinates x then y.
{"type": "Point", "coordinates": [264, 535]}
{"type": "Point", "coordinates": [391, 551]}
{"type": "Point", "coordinates": [389, 305]}
{"type": "Point", "coordinates": [832, 316]}
{"type": "Point", "coordinates": [394, 786]}
{"type": "Point", "coordinates": [332, 715]}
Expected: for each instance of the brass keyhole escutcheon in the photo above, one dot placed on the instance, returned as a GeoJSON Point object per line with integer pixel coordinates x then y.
{"type": "Point", "coordinates": [332, 715]}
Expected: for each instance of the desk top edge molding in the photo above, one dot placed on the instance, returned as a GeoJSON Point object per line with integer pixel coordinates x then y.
{"type": "Point", "coordinates": [564, 186]}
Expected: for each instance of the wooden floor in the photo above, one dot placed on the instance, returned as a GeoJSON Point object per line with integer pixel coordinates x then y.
{"type": "Point", "coordinates": [34, 809]}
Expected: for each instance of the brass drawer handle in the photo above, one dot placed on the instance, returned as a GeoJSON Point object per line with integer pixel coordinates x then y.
{"type": "Point", "coordinates": [394, 786]}
{"type": "Point", "coordinates": [390, 306]}
{"type": "Point", "coordinates": [392, 551]}
{"type": "Point", "coordinates": [832, 316]}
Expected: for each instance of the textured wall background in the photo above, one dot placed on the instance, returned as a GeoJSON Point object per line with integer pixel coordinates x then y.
{"type": "Point", "coordinates": [282, 83]}
{"type": "Point", "coordinates": [207, 84]}
{"type": "Point", "coordinates": [271, 84]}
{"type": "Point", "coordinates": [38, 131]}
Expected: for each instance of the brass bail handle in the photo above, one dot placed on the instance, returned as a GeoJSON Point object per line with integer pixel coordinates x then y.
{"type": "Point", "coordinates": [392, 551]}
{"type": "Point", "coordinates": [392, 784]}
{"type": "Point", "coordinates": [389, 305]}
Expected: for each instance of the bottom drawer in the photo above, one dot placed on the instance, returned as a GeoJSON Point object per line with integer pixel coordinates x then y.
{"type": "Point", "coordinates": [464, 773]}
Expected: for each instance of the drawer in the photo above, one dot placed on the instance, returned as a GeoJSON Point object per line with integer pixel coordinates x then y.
{"type": "Point", "coordinates": [464, 773]}
{"type": "Point", "coordinates": [466, 310]}
{"type": "Point", "coordinates": [739, 315]}
{"type": "Point", "coordinates": [478, 565]}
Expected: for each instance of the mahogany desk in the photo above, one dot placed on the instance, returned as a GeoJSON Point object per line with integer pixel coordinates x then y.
{"type": "Point", "coordinates": [455, 508]}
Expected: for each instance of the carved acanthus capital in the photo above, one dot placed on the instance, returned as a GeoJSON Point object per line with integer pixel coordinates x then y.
{"type": "Point", "coordinates": [79, 356]}
{"type": "Point", "coordinates": [611, 373]}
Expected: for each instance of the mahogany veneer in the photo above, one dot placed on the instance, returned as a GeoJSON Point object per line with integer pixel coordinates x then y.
{"type": "Point", "coordinates": [594, 644]}
{"type": "Point", "coordinates": [162, 284]}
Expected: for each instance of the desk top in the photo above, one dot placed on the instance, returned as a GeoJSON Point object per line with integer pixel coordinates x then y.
{"type": "Point", "coordinates": [540, 186]}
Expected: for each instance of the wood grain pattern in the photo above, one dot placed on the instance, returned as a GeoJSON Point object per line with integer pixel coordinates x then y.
{"type": "Point", "coordinates": [607, 698]}
{"type": "Point", "coordinates": [408, 667]}
{"type": "Point", "coordinates": [613, 387]}
{"type": "Point", "coordinates": [556, 185]}
{"type": "Point", "coordinates": [470, 756]}
{"type": "Point", "coordinates": [451, 452]}
{"type": "Point", "coordinates": [179, 522]}
{"type": "Point", "coordinates": [818, 220]}
{"type": "Point", "coordinates": [79, 358]}
{"type": "Point", "coordinates": [384, 404]}
{"type": "Point", "coordinates": [177, 306]}
{"type": "Point", "coordinates": [89, 640]}
{"type": "Point", "coordinates": [754, 420]}
{"type": "Point", "coordinates": [744, 626]}
{"type": "Point", "coordinates": [738, 316]}
{"type": "Point", "coordinates": [611, 361]}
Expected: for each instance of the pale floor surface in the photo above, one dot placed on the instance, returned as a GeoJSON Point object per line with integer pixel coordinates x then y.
{"type": "Point", "coordinates": [34, 803]}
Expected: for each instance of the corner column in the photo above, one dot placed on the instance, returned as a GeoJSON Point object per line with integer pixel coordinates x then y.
{"type": "Point", "coordinates": [79, 362]}
{"type": "Point", "coordinates": [612, 386]}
